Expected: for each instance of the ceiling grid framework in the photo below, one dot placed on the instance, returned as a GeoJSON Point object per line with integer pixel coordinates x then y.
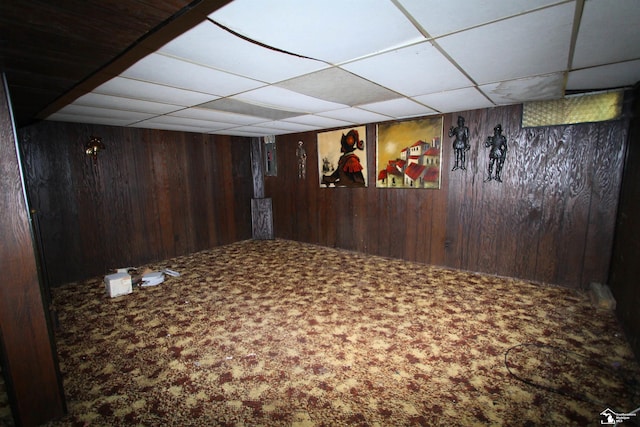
{"type": "Point", "coordinates": [256, 67]}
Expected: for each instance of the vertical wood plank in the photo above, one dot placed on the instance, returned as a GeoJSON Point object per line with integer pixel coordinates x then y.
{"type": "Point", "coordinates": [257, 167]}
{"type": "Point", "coordinates": [226, 188]}
{"type": "Point", "coordinates": [397, 211]}
{"type": "Point", "coordinates": [309, 187]}
{"type": "Point", "coordinates": [529, 163]}
{"type": "Point", "coordinates": [28, 352]}
{"type": "Point", "coordinates": [549, 250]}
{"type": "Point", "coordinates": [480, 126]}
{"type": "Point", "coordinates": [457, 208]}
{"type": "Point", "coordinates": [606, 181]}
{"type": "Point", "coordinates": [575, 217]}
{"type": "Point", "coordinates": [625, 268]}
{"type": "Point", "coordinates": [435, 234]}
{"type": "Point", "coordinates": [147, 235]}
{"type": "Point", "coordinates": [196, 188]}
{"type": "Point", "coordinates": [242, 189]}
{"type": "Point", "coordinates": [262, 222]}
{"type": "Point", "coordinates": [162, 191]}
{"type": "Point", "coordinates": [516, 181]}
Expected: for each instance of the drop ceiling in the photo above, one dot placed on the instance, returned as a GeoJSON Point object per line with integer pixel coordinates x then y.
{"type": "Point", "coordinates": [270, 67]}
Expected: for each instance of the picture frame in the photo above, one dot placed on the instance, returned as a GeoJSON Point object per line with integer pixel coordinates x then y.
{"type": "Point", "coordinates": [342, 157]}
{"type": "Point", "coordinates": [409, 154]}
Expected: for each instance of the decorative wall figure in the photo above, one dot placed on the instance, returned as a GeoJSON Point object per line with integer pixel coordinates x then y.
{"type": "Point", "coordinates": [338, 164]}
{"type": "Point", "coordinates": [497, 153]}
{"type": "Point", "coordinates": [460, 144]}
{"type": "Point", "coordinates": [301, 154]}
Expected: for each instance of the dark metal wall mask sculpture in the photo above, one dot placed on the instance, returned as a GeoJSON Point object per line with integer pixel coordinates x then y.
{"type": "Point", "coordinates": [497, 153]}
{"type": "Point", "coordinates": [460, 143]}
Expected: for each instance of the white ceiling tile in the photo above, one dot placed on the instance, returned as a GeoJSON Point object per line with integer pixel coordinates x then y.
{"type": "Point", "coordinates": [355, 115]}
{"type": "Point", "coordinates": [173, 126]}
{"type": "Point", "coordinates": [217, 116]}
{"type": "Point", "coordinates": [193, 123]}
{"type": "Point", "coordinates": [318, 121]}
{"type": "Point", "coordinates": [528, 89]}
{"type": "Point", "coordinates": [162, 69]}
{"type": "Point", "coordinates": [129, 88]}
{"type": "Point", "coordinates": [337, 85]}
{"type": "Point", "coordinates": [455, 100]}
{"type": "Point", "coordinates": [238, 106]}
{"type": "Point", "coordinates": [463, 14]}
{"type": "Point", "coordinates": [279, 98]}
{"type": "Point", "coordinates": [96, 120]}
{"type": "Point", "coordinates": [616, 75]}
{"type": "Point", "coordinates": [248, 132]}
{"type": "Point", "coordinates": [398, 108]}
{"type": "Point", "coordinates": [261, 130]}
{"type": "Point", "coordinates": [83, 110]}
{"type": "Point", "coordinates": [531, 44]}
{"type": "Point", "coordinates": [288, 126]}
{"type": "Point", "coordinates": [209, 45]}
{"type": "Point", "coordinates": [608, 33]}
{"type": "Point", "coordinates": [414, 70]}
{"type": "Point", "coordinates": [328, 30]}
{"type": "Point", "coordinates": [127, 104]}
{"type": "Point", "coordinates": [232, 132]}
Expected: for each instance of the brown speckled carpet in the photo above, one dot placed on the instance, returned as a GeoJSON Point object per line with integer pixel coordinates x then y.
{"type": "Point", "coordinates": [281, 333]}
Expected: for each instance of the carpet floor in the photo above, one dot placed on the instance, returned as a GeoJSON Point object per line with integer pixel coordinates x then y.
{"type": "Point", "coordinates": [282, 333]}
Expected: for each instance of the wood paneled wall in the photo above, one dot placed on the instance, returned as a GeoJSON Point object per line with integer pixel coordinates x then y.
{"type": "Point", "coordinates": [551, 220]}
{"type": "Point", "coordinates": [625, 268]}
{"type": "Point", "coordinates": [157, 194]}
{"type": "Point", "coordinates": [27, 352]}
{"type": "Point", "coordinates": [150, 196]}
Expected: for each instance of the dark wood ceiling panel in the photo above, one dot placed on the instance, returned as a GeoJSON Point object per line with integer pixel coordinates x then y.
{"type": "Point", "coordinates": [40, 83]}
{"type": "Point", "coordinates": [48, 48]}
{"type": "Point", "coordinates": [21, 100]}
{"type": "Point", "coordinates": [29, 42]}
{"type": "Point", "coordinates": [105, 22]}
{"type": "Point", "coordinates": [54, 64]}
